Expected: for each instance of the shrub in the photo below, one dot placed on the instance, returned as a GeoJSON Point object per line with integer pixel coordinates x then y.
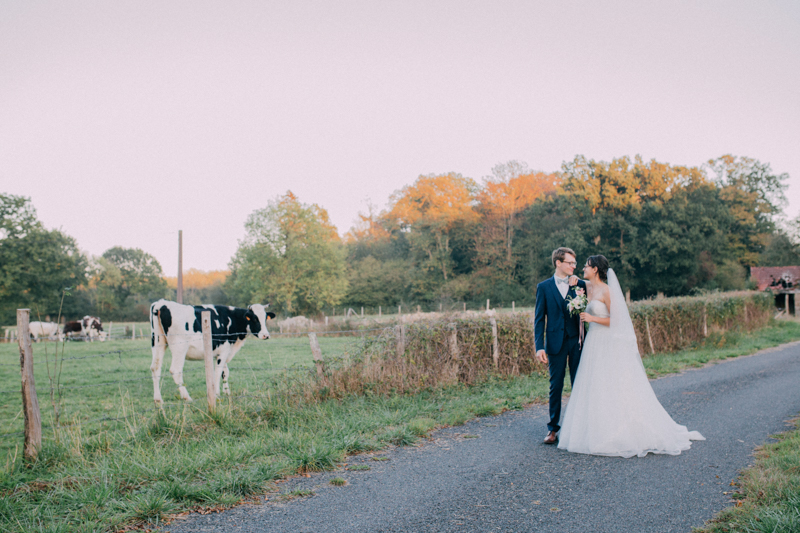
{"type": "Point", "coordinates": [430, 359]}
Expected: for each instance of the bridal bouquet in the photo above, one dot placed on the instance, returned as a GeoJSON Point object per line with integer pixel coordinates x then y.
{"type": "Point", "coordinates": [577, 304]}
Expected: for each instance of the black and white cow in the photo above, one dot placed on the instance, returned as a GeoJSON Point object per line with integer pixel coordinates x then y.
{"type": "Point", "coordinates": [179, 327]}
{"type": "Point", "coordinates": [73, 328]}
{"type": "Point", "coordinates": [89, 328]}
{"type": "Point", "coordinates": [93, 328]}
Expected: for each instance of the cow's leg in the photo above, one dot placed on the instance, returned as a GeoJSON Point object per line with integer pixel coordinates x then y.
{"type": "Point", "coordinates": [176, 368]}
{"type": "Point", "coordinates": [225, 372]}
{"type": "Point", "coordinates": [222, 365]}
{"type": "Point", "coordinates": [159, 343]}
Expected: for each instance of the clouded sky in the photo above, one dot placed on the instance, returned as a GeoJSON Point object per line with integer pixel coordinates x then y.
{"type": "Point", "coordinates": [126, 121]}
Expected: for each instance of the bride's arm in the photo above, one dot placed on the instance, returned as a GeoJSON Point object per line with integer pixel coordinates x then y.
{"type": "Point", "coordinates": [573, 280]}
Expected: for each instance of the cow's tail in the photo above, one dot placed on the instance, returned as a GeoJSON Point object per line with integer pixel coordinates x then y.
{"type": "Point", "coordinates": [157, 334]}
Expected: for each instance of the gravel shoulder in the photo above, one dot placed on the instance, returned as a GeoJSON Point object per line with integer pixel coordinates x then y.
{"type": "Point", "coordinates": [493, 474]}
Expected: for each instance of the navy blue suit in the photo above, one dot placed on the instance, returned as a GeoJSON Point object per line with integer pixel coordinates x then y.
{"type": "Point", "coordinates": [560, 343]}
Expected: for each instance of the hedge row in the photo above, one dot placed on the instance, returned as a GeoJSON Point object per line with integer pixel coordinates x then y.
{"type": "Point", "coordinates": [431, 358]}
{"type": "Point", "coordinates": [673, 324]}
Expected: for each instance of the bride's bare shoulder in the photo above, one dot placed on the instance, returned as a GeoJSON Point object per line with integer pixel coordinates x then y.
{"type": "Point", "coordinates": [602, 292]}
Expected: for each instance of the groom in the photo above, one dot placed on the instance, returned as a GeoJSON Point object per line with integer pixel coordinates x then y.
{"type": "Point", "coordinates": [560, 346]}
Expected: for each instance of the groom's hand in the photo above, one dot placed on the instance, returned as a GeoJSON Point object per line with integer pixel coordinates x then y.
{"type": "Point", "coordinates": [541, 357]}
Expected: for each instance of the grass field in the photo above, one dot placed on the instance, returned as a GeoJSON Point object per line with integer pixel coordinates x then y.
{"type": "Point", "coordinates": [104, 476]}
{"type": "Point", "coordinates": [99, 381]}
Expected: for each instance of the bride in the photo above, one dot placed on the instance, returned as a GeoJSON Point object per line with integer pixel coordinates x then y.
{"type": "Point", "coordinates": [612, 409]}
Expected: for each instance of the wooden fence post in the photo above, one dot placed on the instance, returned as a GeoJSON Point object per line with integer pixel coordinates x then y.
{"type": "Point", "coordinates": [513, 306]}
{"type": "Point", "coordinates": [133, 332]}
{"type": "Point", "coordinates": [398, 310]}
{"type": "Point", "coordinates": [30, 402]}
{"type": "Point", "coordinates": [316, 352]}
{"type": "Point", "coordinates": [401, 340]}
{"type": "Point", "coordinates": [454, 353]}
{"type": "Point", "coordinates": [465, 306]}
{"type": "Point", "coordinates": [487, 304]}
{"type": "Point", "coordinates": [362, 311]}
{"type": "Point", "coordinates": [208, 358]}
{"type": "Point", "coordinates": [705, 322]}
{"type": "Point", "coordinates": [379, 310]}
{"type": "Point", "coordinates": [649, 337]}
{"type": "Point", "coordinates": [495, 346]}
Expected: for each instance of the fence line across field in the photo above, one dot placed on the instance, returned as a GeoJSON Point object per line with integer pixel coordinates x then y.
{"type": "Point", "coordinates": [33, 427]}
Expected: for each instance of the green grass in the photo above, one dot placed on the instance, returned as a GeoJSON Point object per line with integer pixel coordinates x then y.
{"type": "Point", "coordinates": [140, 470]}
{"type": "Point", "coordinates": [110, 380]}
{"type": "Point", "coordinates": [768, 495]}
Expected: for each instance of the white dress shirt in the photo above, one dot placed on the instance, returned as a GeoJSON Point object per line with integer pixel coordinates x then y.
{"type": "Point", "coordinates": [563, 288]}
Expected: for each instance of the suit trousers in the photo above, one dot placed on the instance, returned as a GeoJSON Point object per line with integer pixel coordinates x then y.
{"type": "Point", "coordinates": [557, 365]}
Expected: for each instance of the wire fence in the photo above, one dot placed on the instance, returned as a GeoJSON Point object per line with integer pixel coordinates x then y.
{"type": "Point", "coordinates": [95, 386]}
{"type": "Point", "coordinates": [75, 385]}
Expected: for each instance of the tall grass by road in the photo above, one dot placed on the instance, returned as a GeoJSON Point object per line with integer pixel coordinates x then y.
{"type": "Point", "coordinates": [150, 467]}
{"type": "Point", "coordinates": [767, 494]}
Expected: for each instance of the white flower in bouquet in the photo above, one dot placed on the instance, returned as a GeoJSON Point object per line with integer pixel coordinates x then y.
{"type": "Point", "coordinates": [577, 304]}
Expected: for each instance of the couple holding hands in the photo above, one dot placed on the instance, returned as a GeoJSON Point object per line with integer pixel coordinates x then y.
{"type": "Point", "coordinates": [612, 410]}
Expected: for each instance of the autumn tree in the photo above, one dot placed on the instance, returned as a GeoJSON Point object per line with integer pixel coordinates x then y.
{"type": "Point", "coordinates": [608, 196]}
{"type": "Point", "coordinates": [291, 256]}
{"type": "Point", "coordinates": [201, 287]}
{"type": "Point", "coordinates": [754, 195]}
{"type": "Point", "coordinates": [504, 196]}
{"type": "Point", "coordinates": [435, 213]}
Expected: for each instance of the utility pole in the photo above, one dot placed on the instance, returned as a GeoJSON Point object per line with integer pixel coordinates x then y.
{"type": "Point", "coordinates": [180, 266]}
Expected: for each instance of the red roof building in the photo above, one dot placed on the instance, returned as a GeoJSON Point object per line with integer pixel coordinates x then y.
{"type": "Point", "coordinates": [778, 279]}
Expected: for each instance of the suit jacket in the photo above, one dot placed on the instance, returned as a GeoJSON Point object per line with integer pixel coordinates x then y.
{"type": "Point", "coordinates": [552, 309]}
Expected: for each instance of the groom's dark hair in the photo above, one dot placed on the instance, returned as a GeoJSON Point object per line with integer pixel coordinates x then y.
{"type": "Point", "coordinates": [559, 254]}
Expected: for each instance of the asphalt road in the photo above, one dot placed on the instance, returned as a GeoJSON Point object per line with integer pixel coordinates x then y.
{"type": "Point", "coordinates": [493, 474]}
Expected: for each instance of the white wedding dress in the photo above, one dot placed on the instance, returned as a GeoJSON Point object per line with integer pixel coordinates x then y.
{"type": "Point", "coordinates": [612, 409]}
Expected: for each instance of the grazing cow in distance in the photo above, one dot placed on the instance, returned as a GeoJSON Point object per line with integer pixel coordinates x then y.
{"type": "Point", "coordinates": [89, 327]}
{"type": "Point", "coordinates": [73, 328]}
{"type": "Point", "coordinates": [179, 327]}
{"type": "Point", "coordinates": [93, 328]}
{"type": "Point", "coordinates": [44, 329]}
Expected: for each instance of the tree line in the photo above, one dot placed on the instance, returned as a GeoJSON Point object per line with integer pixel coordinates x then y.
{"type": "Point", "coordinates": [441, 241]}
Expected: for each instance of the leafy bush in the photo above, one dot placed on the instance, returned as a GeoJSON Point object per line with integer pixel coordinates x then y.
{"type": "Point", "coordinates": [458, 348]}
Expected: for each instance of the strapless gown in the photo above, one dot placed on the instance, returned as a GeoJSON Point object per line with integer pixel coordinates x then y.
{"type": "Point", "coordinates": [612, 409]}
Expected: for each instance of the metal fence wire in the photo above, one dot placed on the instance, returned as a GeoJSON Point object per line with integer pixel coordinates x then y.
{"type": "Point", "coordinates": [73, 385]}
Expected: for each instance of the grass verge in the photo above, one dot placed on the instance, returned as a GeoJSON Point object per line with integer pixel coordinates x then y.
{"type": "Point", "coordinates": [184, 459]}
{"type": "Point", "coordinates": [768, 493]}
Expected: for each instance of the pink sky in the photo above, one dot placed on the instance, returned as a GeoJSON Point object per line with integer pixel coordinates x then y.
{"type": "Point", "coordinates": [126, 121]}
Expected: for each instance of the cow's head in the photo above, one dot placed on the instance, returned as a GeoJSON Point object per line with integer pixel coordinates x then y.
{"type": "Point", "coordinates": [257, 316]}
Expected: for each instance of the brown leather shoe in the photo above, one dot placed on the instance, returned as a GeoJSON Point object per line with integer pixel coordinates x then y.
{"type": "Point", "coordinates": [551, 438]}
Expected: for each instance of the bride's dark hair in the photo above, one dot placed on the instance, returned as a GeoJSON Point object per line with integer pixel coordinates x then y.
{"type": "Point", "coordinates": [601, 264]}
